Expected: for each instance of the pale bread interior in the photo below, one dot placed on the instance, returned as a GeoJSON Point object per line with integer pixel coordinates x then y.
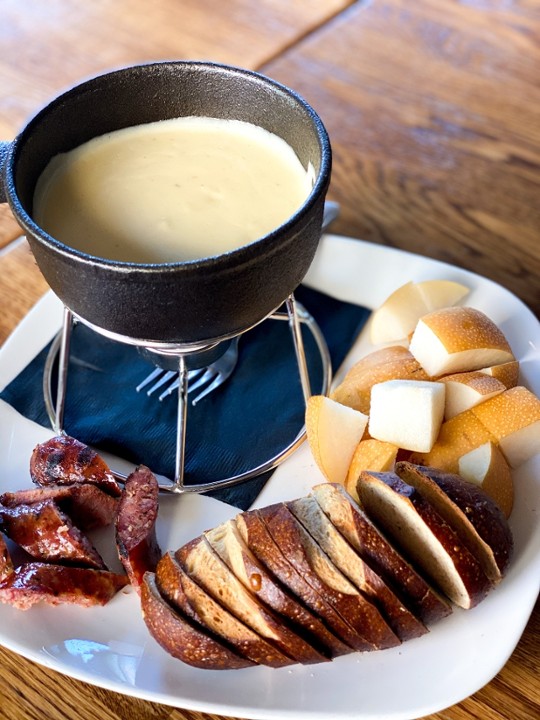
{"type": "Point", "coordinates": [397, 516]}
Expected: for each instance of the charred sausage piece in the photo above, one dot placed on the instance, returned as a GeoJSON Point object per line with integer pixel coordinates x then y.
{"type": "Point", "coordinates": [32, 583]}
{"type": "Point", "coordinates": [136, 525]}
{"type": "Point", "coordinates": [47, 534]}
{"type": "Point", "coordinates": [62, 460]}
{"type": "Point", "coordinates": [88, 506]}
{"type": "Point", "coordinates": [6, 565]}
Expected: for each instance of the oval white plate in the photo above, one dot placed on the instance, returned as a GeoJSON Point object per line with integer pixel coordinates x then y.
{"type": "Point", "coordinates": [110, 646]}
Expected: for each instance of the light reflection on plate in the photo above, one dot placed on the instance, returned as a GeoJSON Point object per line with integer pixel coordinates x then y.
{"type": "Point", "coordinates": [118, 660]}
{"type": "Point", "coordinates": [110, 647]}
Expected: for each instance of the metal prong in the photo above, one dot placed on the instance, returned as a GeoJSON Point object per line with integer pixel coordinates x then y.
{"type": "Point", "coordinates": [166, 377]}
{"type": "Point", "coordinates": [147, 380]}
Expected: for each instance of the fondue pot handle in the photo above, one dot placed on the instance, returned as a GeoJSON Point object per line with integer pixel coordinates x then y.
{"type": "Point", "coordinates": [4, 149]}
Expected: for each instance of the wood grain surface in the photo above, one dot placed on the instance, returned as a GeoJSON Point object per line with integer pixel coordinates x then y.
{"type": "Point", "coordinates": [433, 108]}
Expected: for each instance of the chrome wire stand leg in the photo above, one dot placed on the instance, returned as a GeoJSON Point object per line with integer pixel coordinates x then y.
{"type": "Point", "coordinates": [181, 427]}
{"type": "Point", "coordinates": [296, 316]}
{"type": "Point", "coordinates": [298, 341]}
{"type": "Point", "coordinates": [60, 347]}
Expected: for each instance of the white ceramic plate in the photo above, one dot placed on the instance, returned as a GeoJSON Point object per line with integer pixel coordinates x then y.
{"type": "Point", "coordinates": [110, 646]}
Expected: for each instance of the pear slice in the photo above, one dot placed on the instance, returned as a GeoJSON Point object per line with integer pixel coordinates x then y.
{"type": "Point", "coordinates": [513, 418]}
{"type": "Point", "coordinates": [457, 436]}
{"type": "Point", "coordinates": [407, 413]}
{"type": "Point", "coordinates": [370, 454]}
{"type": "Point", "coordinates": [438, 294]}
{"type": "Point", "coordinates": [466, 390]}
{"type": "Point", "coordinates": [486, 467]}
{"type": "Point", "coordinates": [396, 318]}
{"type": "Point", "coordinates": [458, 339]}
{"type": "Point", "coordinates": [507, 373]}
{"type": "Point", "coordinates": [333, 433]}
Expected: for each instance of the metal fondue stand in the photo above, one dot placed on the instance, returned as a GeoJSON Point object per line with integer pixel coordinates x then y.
{"type": "Point", "coordinates": [295, 314]}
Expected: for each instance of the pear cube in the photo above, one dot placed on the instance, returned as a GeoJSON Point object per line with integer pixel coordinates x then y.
{"type": "Point", "coordinates": [407, 413]}
{"type": "Point", "coordinates": [458, 339]}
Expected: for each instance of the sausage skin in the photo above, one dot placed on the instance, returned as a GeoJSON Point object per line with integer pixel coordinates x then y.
{"type": "Point", "coordinates": [62, 460]}
{"type": "Point", "coordinates": [136, 539]}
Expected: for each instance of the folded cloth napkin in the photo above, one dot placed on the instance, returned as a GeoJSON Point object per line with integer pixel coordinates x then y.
{"type": "Point", "coordinates": [246, 421]}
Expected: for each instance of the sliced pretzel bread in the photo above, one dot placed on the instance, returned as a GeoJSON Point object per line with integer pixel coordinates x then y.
{"type": "Point", "coordinates": [417, 528]}
{"type": "Point", "coordinates": [474, 516]}
{"type": "Point", "coordinates": [179, 637]}
{"type": "Point", "coordinates": [255, 533]}
{"type": "Point", "coordinates": [231, 547]}
{"type": "Point", "coordinates": [308, 558]}
{"type": "Point", "coordinates": [185, 595]}
{"type": "Point", "coordinates": [404, 624]}
{"type": "Point", "coordinates": [379, 554]}
{"type": "Point", "coordinates": [205, 566]}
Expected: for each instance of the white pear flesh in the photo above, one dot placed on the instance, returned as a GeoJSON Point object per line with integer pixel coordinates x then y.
{"type": "Point", "coordinates": [407, 413]}
{"type": "Point", "coordinates": [438, 294]}
{"type": "Point", "coordinates": [396, 318]}
{"type": "Point", "coordinates": [486, 467]}
{"type": "Point", "coordinates": [466, 390]}
{"type": "Point", "coordinates": [458, 339]}
{"type": "Point", "coordinates": [333, 432]}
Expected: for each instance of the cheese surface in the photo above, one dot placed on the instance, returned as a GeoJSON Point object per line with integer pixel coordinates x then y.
{"type": "Point", "coordinates": [174, 190]}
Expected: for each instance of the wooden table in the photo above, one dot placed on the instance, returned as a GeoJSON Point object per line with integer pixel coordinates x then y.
{"type": "Point", "coordinates": [433, 108]}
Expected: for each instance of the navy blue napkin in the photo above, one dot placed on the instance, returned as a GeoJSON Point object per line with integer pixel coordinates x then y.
{"type": "Point", "coordinates": [246, 421]}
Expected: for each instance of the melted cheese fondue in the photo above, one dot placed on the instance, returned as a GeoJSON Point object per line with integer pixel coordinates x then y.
{"type": "Point", "coordinates": [172, 190]}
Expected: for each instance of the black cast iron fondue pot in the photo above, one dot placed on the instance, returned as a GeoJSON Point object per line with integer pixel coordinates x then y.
{"type": "Point", "coordinates": [190, 303]}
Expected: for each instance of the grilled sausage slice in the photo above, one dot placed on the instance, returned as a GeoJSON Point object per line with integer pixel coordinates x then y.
{"type": "Point", "coordinates": [136, 539]}
{"type": "Point", "coordinates": [32, 583]}
{"type": "Point", "coordinates": [62, 460]}
{"type": "Point", "coordinates": [88, 506]}
{"type": "Point", "coordinates": [47, 534]}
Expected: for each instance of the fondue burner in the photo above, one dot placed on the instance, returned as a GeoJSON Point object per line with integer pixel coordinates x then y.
{"type": "Point", "coordinates": [183, 356]}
